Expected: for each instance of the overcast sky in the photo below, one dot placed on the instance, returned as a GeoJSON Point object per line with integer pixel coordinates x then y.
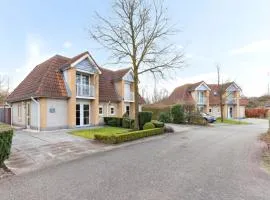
{"type": "Point", "coordinates": [235, 34]}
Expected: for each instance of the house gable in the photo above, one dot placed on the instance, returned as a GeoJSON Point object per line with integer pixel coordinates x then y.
{"type": "Point", "coordinates": [233, 88]}
{"type": "Point", "coordinates": [129, 76]}
{"type": "Point", "coordinates": [202, 87]}
{"type": "Point", "coordinates": [86, 65]}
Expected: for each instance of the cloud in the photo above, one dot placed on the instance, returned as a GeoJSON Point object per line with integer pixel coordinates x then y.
{"type": "Point", "coordinates": [254, 47]}
{"type": "Point", "coordinates": [67, 44]}
{"type": "Point", "coordinates": [36, 53]}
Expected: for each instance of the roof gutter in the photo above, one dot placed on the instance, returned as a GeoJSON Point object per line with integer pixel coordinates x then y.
{"type": "Point", "coordinates": [38, 113]}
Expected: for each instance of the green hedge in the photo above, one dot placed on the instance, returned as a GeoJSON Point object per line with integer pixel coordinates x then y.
{"type": "Point", "coordinates": [165, 117]}
{"type": "Point", "coordinates": [158, 124]}
{"type": "Point", "coordinates": [128, 123]}
{"type": "Point", "coordinates": [6, 134]}
{"type": "Point", "coordinates": [157, 111]}
{"type": "Point", "coordinates": [144, 117]}
{"type": "Point", "coordinates": [148, 125]}
{"type": "Point", "coordinates": [113, 121]}
{"type": "Point", "coordinates": [124, 137]}
{"type": "Point", "coordinates": [178, 114]}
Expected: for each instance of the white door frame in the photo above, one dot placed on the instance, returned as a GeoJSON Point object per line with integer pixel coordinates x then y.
{"type": "Point", "coordinates": [230, 115]}
{"type": "Point", "coordinates": [82, 114]}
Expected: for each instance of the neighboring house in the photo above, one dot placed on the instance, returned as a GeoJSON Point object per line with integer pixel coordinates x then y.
{"type": "Point", "coordinates": [205, 97]}
{"type": "Point", "coordinates": [71, 92]}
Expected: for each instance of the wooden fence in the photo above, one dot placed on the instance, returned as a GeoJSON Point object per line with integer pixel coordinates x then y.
{"type": "Point", "coordinates": [5, 114]}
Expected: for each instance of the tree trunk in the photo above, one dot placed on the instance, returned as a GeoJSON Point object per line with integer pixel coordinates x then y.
{"type": "Point", "coordinates": [221, 109]}
{"type": "Point", "coordinates": [136, 94]}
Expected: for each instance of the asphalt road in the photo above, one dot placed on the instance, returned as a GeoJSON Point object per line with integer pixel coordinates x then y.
{"type": "Point", "coordinates": [205, 163]}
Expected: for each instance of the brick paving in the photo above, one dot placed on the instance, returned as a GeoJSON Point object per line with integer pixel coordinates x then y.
{"type": "Point", "coordinates": [33, 150]}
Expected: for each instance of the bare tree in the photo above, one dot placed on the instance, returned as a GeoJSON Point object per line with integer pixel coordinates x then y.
{"type": "Point", "coordinates": [4, 88]}
{"type": "Point", "coordinates": [137, 34]}
{"type": "Point", "coordinates": [220, 93]}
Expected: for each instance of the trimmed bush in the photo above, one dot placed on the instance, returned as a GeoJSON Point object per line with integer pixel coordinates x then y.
{"type": "Point", "coordinates": [144, 117]}
{"type": "Point", "coordinates": [196, 119]}
{"type": "Point", "coordinates": [178, 115]}
{"type": "Point", "coordinates": [113, 121]}
{"type": "Point", "coordinates": [148, 125]}
{"type": "Point", "coordinates": [158, 124]}
{"type": "Point", "coordinates": [6, 134]}
{"type": "Point", "coordinates": [128, 123]}
{"type": "Point", "coordinates": [165, 117]}
{"type": "Point", "coordinates": [124, 137]}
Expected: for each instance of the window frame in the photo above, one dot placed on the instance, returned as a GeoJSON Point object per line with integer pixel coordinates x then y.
{"type": "Point", "coordinates": [112, 107]}
{"type": "Point", "coordinates": [19, 111]}
{"type": "Point", "coordinates": [102, 113]}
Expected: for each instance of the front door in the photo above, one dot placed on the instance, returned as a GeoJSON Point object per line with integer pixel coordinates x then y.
{"type": "Point", "coordinates": [230, 112]}
{"type": "Point", "coordinates": [82, 114]}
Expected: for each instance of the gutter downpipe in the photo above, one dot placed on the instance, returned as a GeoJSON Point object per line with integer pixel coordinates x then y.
{"type": "Point", "coordinates": [37, 113]}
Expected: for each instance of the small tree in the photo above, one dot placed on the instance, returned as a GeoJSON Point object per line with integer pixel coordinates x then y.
{"type": "Point", "coordinates": [137, 35]}
{"type": "Point", "coordinates": [4, 88]}
{"type": "Point", "coordinates": [178, 114]}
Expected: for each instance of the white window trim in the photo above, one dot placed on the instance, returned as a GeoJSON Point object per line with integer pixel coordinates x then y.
{"type": "Point", "coordinates": [111, 110]}
{"type": "Point", "coordinates": [19, 112]}
{"type": "Point", "coordinates": [101, 114]}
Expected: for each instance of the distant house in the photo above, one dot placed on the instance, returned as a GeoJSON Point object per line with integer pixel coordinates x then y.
{"type": "Point", "coordinates": [206, 98]}
{"type": "Point", "coordinates": [73, 92]}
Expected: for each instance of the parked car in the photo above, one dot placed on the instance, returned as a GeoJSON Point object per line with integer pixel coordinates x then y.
{"type": "Point", "coordinates": [208, 118]}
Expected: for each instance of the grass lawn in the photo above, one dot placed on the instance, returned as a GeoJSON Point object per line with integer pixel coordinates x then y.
{"type": "Point", "coordinates": [90, 133]}
{"type": "Point", "coordinates": [231, 121]}
{"type": "Point", "coordinates": [4, 126]}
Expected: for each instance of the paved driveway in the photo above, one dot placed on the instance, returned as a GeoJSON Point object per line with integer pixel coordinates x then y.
{"type": "Point", "coordinates": [214, 163]}
{"type": "Point", "coordinates": [32, 150]}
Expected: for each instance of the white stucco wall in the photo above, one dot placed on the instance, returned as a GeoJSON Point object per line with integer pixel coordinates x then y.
{"type": "Point", "coordinates": [58, 118]}
{"type": "Point", "coordinates": [107, 111]}
{"type": "Point", "coordinates": [16, 120]}
{"type": "Point", "coordinates": [33, 114]}
{"type": "Point", "coordinates": [242, 112]}
{"type": "Point", "coordinates": [215, 111]}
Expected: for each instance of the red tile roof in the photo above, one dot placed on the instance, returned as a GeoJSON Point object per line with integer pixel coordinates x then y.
{"type": "Point", "coordinates": [181, 94]}
{"type": "Point", "coordinates": [46, 80]}
{"type": "Point", "coordinates": [107, 90]}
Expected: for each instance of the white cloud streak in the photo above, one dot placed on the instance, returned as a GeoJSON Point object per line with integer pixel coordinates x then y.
{"type": "Point", "coordinates": [254, 47]}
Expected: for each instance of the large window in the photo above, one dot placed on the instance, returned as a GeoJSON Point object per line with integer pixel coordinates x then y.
{"type": "Point", "coordinates": [85, 114]}
{"type": "Point", "coordinates": [128, 110]}
{"type": "Point", "coordinates": [78, 117]}
{"type": "Point", "coordinates": [200, 97]}
{"type": "Point", "coordinates": [82, 79]}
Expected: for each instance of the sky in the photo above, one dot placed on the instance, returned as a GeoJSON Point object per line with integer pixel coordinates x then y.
{"type": "Point", "coordinates": [233, 34]}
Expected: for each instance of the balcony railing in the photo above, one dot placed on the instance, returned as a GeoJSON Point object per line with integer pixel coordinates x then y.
{"type": "Point", "coordinates": [85, 90]}
{"type": "Point", "coordinates": [129, 96]}
{"type": "Point", "coordinates": [231, 101]}
{"type": "Point", "coordinates": [202, 101]}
